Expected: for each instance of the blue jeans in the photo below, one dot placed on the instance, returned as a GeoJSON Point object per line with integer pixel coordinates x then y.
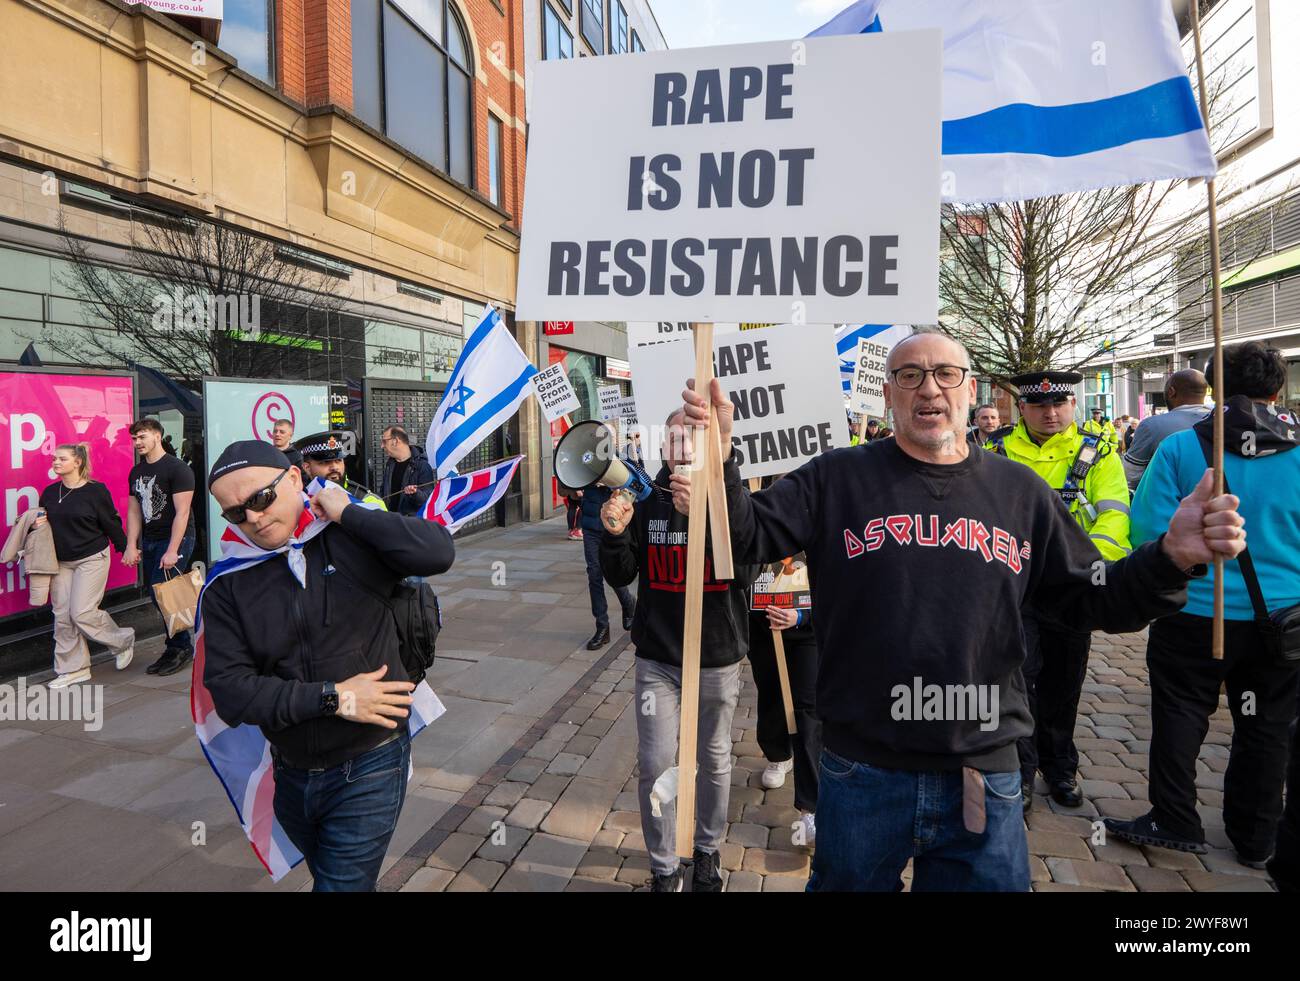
{"type": "Point", "coordinates": [343, 818]}
{"type": "Point", "coordinates": [870, 821]}
{"type": "Point", "coordinates": [151, 552]}
{"type": "Point", "coordinates": [596, 582]}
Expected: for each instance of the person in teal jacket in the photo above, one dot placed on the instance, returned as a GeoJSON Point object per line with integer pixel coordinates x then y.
{"type": "Point", "coordinates": [1264, 472]}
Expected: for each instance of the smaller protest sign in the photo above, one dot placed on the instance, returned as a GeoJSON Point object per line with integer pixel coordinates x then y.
{"type": "Point", "coordinates": [609, 396]}
{"type": "Point", "coordinates": [783, 585]}
{"type": "Point", "coordinates": [554, 393]}
{"type": "Point", "coordinates": [868, 393]}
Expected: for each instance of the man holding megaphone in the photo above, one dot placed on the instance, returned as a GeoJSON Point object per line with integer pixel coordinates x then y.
{"type": "Point", "coordinates": [646, 538]}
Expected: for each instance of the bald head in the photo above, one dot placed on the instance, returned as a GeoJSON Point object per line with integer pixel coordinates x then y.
{"type": "Point", "coordinates": [1186, 387]}
{"type": "Point", "coordinates": [942, 346]}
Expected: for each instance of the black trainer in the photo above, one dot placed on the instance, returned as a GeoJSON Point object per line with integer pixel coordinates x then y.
{"type": "Point", "coordinates": [180, 659]}
{"type": "Point", "coordinates": [707, 878]}
{"type": "Point", "coordinates": [1145, 831]}
{"type": "Point", "coordinates": [672, 882]}
{"type": "Point", "coordinates": [167, 659]}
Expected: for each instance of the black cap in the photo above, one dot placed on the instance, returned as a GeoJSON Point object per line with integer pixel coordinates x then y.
{"type": "Point", "coordinates": [329, 445]}
{"type": "Point", "coordinates": [1039, 386]}
{"type": "Point", "coordinates": [247, 453]}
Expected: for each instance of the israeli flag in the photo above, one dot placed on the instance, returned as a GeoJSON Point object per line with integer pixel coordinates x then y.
{"type": "Point", "coordinates": [1052, 96]}
{"type": "Point", "coordinates": [491, 377]}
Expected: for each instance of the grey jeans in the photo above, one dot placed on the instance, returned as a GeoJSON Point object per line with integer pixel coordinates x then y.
{"type": "Point", "coordinates": [658, 699]}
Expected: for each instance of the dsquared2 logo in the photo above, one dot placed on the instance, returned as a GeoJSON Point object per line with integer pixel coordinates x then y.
{"type": "Point", "coordinates": [964, 534]}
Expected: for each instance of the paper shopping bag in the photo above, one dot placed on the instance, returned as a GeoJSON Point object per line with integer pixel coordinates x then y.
{"type": "Point", "coordinates": [178, 599]}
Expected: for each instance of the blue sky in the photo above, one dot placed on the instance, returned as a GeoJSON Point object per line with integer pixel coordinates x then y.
{"type": "Point", "coordinates": [693, 23]}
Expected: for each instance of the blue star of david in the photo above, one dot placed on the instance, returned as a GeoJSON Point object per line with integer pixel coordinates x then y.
{"type": "Point", "coordinates": [463, 395]}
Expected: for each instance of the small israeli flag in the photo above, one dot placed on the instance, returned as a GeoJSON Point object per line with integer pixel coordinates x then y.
{"type": "Point", "coordinates": [489, 381]}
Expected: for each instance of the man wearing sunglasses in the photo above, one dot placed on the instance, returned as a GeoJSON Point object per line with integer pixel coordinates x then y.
{"type": "Point", "coordinates": [922, 704]}
{"type": "Point", "coordinates": [1085, 469]}
{"type": "Point", "coordinates": [299, 640]}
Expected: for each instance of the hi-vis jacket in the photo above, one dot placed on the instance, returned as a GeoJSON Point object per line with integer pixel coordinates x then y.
{"type": "Point", "coordinates": [1105, 430]}
{"type": "Point", "coordinates": [1103, 492]}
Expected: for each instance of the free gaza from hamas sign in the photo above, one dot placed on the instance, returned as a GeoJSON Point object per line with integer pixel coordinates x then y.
{"type": "Point", "coordinates": [781, 182]}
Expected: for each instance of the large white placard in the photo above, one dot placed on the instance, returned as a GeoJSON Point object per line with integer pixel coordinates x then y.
{"type": "Point", "coordinates": [777, 182]}
{"type": "Point", "coordinates": [784, 381]}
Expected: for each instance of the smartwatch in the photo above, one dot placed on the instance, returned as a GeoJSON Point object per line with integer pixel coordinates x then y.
{"type": "Point", "coordinates": [329, 699]}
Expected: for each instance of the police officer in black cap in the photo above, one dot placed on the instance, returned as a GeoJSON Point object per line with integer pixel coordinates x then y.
{"type": "Point", "coordinates": [323, 455]}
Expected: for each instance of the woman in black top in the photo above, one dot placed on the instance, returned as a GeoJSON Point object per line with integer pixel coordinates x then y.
{"type": "Point", "coordinates": [83, 522]}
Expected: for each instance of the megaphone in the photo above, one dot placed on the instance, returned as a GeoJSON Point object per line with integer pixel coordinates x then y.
{"type": "Point", "coordinates": [585, 457]}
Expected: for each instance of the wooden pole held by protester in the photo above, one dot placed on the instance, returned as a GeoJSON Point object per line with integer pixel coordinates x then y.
{"type": "Point", "coordinates": [704, 442]}
{"type": "Point", "coordinates": [1216, 635]}
{"type": "Point", "coordinates": [778, 647]}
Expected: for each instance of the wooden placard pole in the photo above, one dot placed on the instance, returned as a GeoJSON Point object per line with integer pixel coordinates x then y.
{"type": "Point", "coordinates": [1216, 630]}
{"type": "Point", "coordinates": [783, 672]}
{"type": "Point", "coordinates": [704, 444]}
{"type": "Point", "coordinates": [778, 646]}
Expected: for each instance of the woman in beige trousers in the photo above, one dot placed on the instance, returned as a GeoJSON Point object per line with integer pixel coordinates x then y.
{"type": "Point", "coordinates": [84, 522]}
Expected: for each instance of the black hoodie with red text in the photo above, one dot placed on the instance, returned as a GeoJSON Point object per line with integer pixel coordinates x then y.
{"type": "Point", "coordinates": [653, 548]}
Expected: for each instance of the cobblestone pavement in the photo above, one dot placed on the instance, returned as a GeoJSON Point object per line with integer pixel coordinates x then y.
{"type": "Point", "coordinates": [558, 811]}
{"type": "Point", "coordinates": [539, 736]}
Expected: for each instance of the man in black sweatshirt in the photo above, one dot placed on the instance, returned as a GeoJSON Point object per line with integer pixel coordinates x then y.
{"type": "Point", "coordinates": [922, 703]}
{"type": "Point", "coordinates": [649, 541]}
{"type": "Point", "coordinates": [302, 645]}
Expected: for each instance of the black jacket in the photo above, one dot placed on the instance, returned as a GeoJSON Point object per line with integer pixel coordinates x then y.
{"type": "Point", "coordinates": [653, 547]}
{"type": "Point", "coordinates": [270, 645]}
{"type": "Point", "coordinates": [418, 472]}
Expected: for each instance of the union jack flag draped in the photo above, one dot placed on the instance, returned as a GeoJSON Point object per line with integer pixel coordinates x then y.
{"type": "Point", "coordinates": [239, 755]}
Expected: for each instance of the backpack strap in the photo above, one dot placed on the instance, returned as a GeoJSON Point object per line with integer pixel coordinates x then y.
{"type": "Point", "coordinates": [1244, 561]}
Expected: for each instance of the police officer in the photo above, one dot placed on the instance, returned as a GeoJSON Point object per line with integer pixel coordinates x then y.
{"type": "Point", "coordinates": [1100, 426]}
{"type": "Point", "coordinates": [322, 456]}
{"type": "Point", "coordinates": [1085, 469]}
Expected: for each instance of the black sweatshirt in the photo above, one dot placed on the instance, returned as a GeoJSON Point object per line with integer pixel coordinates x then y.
{"type": "Point", "coordinates": [270, 645]}
{"type": "Point", "coordinates": [956, 550]}
{"type": "Point", "coordinates": [653, 547]}
{"type": "Point", "coordinates": [85, 522]}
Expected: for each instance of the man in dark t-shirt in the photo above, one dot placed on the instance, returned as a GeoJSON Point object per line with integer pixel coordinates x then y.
{"type": "Point", "coordinates": [160, 525]}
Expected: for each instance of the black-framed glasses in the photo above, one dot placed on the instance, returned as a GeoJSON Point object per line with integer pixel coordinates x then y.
{"type": "Point", "coordinates": [945, 376]}
{"type": "Point", "coordinates": [258, 501]}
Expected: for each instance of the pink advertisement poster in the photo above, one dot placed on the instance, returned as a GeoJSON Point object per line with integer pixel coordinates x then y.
{"type": "Point", "coordinates": [39, 411]}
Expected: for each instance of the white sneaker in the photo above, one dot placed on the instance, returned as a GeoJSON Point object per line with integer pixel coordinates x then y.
{"type": "Point", "coordinates": [774, 775]}
{"type": "Point", "coordinates": [124, 656]}
{"type": "Point", "coordinates": [809, 822]}
{"type": "Point", "coordinates": [70, 679]}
